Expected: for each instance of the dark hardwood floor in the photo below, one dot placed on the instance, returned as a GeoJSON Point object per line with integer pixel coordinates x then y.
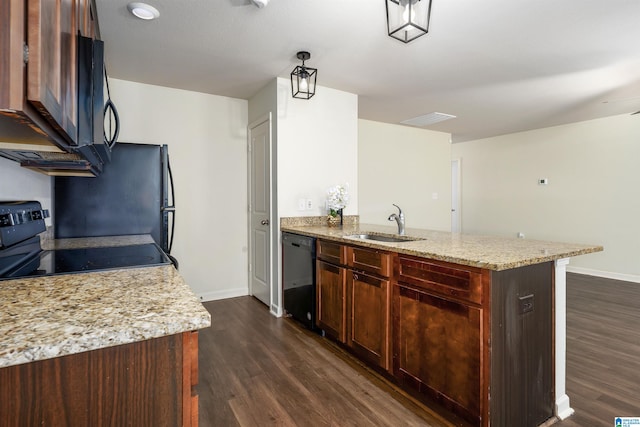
{"type": "Point", "coordinates": [258, 370]}
{"type": "Point", "coordinates": [603, 350]}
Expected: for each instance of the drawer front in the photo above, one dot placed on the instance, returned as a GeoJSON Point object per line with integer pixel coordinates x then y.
{"type": "Point", "coordinates": [442, 278]}
{"type": "Point", "coordinates": [370, 261]}
{"type": "Point", "coordinates": [334, 253]}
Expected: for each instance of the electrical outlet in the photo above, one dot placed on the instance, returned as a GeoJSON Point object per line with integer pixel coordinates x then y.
{"type": "Point", "coordinates": [302, 204]}
{"type": "Point", "coordinates": [309, 204]}
{"type": "Point", "coordinates": [520, 235]}
{"type": "Point", "coordinates": [543, 181]}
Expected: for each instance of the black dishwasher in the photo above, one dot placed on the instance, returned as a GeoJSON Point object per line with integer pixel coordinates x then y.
{"type": "Point", "coordinates": [299, 277]}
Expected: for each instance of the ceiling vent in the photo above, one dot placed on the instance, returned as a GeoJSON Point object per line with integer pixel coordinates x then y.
{"type": "Point", "coordinates": [428, 119]}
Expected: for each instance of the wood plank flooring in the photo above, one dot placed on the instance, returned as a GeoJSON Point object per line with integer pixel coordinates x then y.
{"type": "Point", "coordinates": [257, 370]}
{"type": "Point", "coordinates": [603, 350]}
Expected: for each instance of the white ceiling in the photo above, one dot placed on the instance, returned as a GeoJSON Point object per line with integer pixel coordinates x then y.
{"type": "Point", "coordinates": [500, 66]}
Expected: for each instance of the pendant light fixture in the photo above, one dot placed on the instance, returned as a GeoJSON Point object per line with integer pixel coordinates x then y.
{"type": "Point", "coordinates": [303, 78]}
{"type": "Point", "coordinates": [408, 19]}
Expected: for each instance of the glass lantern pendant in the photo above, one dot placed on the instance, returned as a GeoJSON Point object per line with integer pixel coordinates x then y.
{"type": "Point", "coordinates": [303, 78]}
{"type": "Point", "coordinates": [408, 19]}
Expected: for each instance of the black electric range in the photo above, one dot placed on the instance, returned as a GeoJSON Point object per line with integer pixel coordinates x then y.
{"type": "Point", "coordinates": [23, 257]}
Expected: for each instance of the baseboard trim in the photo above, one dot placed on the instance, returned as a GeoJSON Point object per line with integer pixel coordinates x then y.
{"type": "Point", "coordinates": [604, 274]}
{"type": "Point", "coordinates": [224, 294]}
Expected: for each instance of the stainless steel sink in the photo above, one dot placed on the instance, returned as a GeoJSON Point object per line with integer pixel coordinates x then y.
{"type": "Point", "coordinates": [384, 237]}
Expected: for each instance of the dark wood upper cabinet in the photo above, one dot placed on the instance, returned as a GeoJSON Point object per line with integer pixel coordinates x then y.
{"type": "Point", "coordinates": [52, 28]}
{"type": "Point", "coordinates": [38, 72]}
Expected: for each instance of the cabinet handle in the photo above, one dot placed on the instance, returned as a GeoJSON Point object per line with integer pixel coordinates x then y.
{"type": "Point", "coordinates": [355, 276]}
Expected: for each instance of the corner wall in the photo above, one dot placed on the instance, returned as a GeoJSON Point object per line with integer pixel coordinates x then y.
{"type": "Point", "coordinates": [317, 149]}
{"type": "Point", "coordinates": [207, 139]}
{"type": "Point", "coordinates": [591, 196]}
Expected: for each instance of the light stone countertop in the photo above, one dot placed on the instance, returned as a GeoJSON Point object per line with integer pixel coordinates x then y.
{"type": "Point", "coordinates": [52, 316]}
{"type": "Point", "coordinates": [95, 242]}
{"type": "Point", "coordinates": [489, 252]}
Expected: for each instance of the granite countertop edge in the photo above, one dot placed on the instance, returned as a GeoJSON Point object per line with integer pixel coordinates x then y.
{"type": "Point", "coordinates": [487, 252]}
{"type": "Point", "coordinates": [54, 316]}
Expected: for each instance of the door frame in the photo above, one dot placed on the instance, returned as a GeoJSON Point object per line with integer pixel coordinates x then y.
{"type": "Point", "coordinates": [456, 194]}
{"type": "Point", "coordinates": [274, 228]}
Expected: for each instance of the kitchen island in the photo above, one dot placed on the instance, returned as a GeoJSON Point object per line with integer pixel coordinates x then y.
{"type": "Point", "coordinates": [473, 323]}
{"type": "Point", "coordinates": [101, 348]}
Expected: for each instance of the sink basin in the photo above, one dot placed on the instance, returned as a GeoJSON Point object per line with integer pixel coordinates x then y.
{"type": "Point", "coordinates": [383, 237]}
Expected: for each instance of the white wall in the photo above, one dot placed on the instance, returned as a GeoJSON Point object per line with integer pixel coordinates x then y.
{"type": "Point", "coordinates": [317, 149]}
{"type": "Point", "coordinates": [206, 135]}
{"type": "Point", "coordinates": [592, 195]}
{"type": "Point", "coordinates": [315, 146]}
{"type": "Point", "coordinates": [18, 183]}
{"type": "Point", "coordinates": [406, 166]}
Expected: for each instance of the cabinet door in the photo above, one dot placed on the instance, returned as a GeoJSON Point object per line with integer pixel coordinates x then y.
{"type": "Point", "coordinates": [330, 300]}
{"type": "Point", "coordinates": [11, 66]}
{"type": "Point", "coordinates": [86, 25]}
{"type": "Point", "coordinates": [368, 332]}
{"type": "Point", "coordinates": [370, 261]}
{"type": "Point", "coordinates": [332, 252]}
{"type": "Point", "coordinates": [437, 349]}
{"type": "Point", "coordinates": [51, 70]}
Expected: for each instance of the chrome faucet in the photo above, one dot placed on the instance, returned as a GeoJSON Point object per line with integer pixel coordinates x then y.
{"type": "Point", "coordinates": [399, 218]}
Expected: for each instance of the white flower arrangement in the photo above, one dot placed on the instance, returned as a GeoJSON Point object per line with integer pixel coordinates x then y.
{"type": "Point", "coordinates": [337, 199]}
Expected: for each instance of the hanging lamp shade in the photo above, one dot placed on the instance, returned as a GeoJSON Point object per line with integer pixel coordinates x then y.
{"type": "Point", "coordinates": [303, 78]}
{"type": "Point", "coordinates": [408, 19]}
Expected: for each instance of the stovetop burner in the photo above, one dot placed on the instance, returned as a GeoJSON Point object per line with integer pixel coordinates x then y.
{"type": "Point", "coordinates": [65, 261]}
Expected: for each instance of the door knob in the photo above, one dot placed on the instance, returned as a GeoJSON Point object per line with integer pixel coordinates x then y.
{"type": "Point", "coordinates": [264, 222]}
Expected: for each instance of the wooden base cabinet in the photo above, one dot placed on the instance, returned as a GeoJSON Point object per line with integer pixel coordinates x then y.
{"type": "Point", "coordinates": [478, 342]}
{"type": "Point", "coordinates": [353, 296]}
{"type": "Point", "coordinates": [331, 300]}
{"type": "Point", "coordinates": [369, 304]}
{"type": "Point", "coordinates": [368, 331]}
{"type": "Point", "coordinates": [147, 383]}
{"type": "Point", "coordinates": [440, 342]}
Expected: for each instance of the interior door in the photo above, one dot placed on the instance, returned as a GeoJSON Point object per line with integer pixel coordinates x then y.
{"type": "Point", "coordinates": [455, 196]}
{"type": "Point", "coordinates": [259, 211]}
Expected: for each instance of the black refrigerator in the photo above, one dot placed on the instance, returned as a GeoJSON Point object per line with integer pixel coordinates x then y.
{"type": "Point", "coordinates": [133, 195]}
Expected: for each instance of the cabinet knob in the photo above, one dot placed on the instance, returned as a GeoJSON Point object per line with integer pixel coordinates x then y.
{"type": "Point", "coordinates": [355, 276]}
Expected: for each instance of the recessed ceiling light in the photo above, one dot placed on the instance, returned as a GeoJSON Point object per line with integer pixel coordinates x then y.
{"type": "Point", "coordinates": [428, 119]}
{"type": "Point", "coordinates": [143, 11]}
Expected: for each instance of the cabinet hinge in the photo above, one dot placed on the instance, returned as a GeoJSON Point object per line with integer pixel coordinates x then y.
{"type": "Point", "coordinates": [25, 53]}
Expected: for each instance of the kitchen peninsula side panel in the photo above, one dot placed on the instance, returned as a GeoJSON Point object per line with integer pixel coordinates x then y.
{"type": "Point", "coordinates": [146, 383]}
